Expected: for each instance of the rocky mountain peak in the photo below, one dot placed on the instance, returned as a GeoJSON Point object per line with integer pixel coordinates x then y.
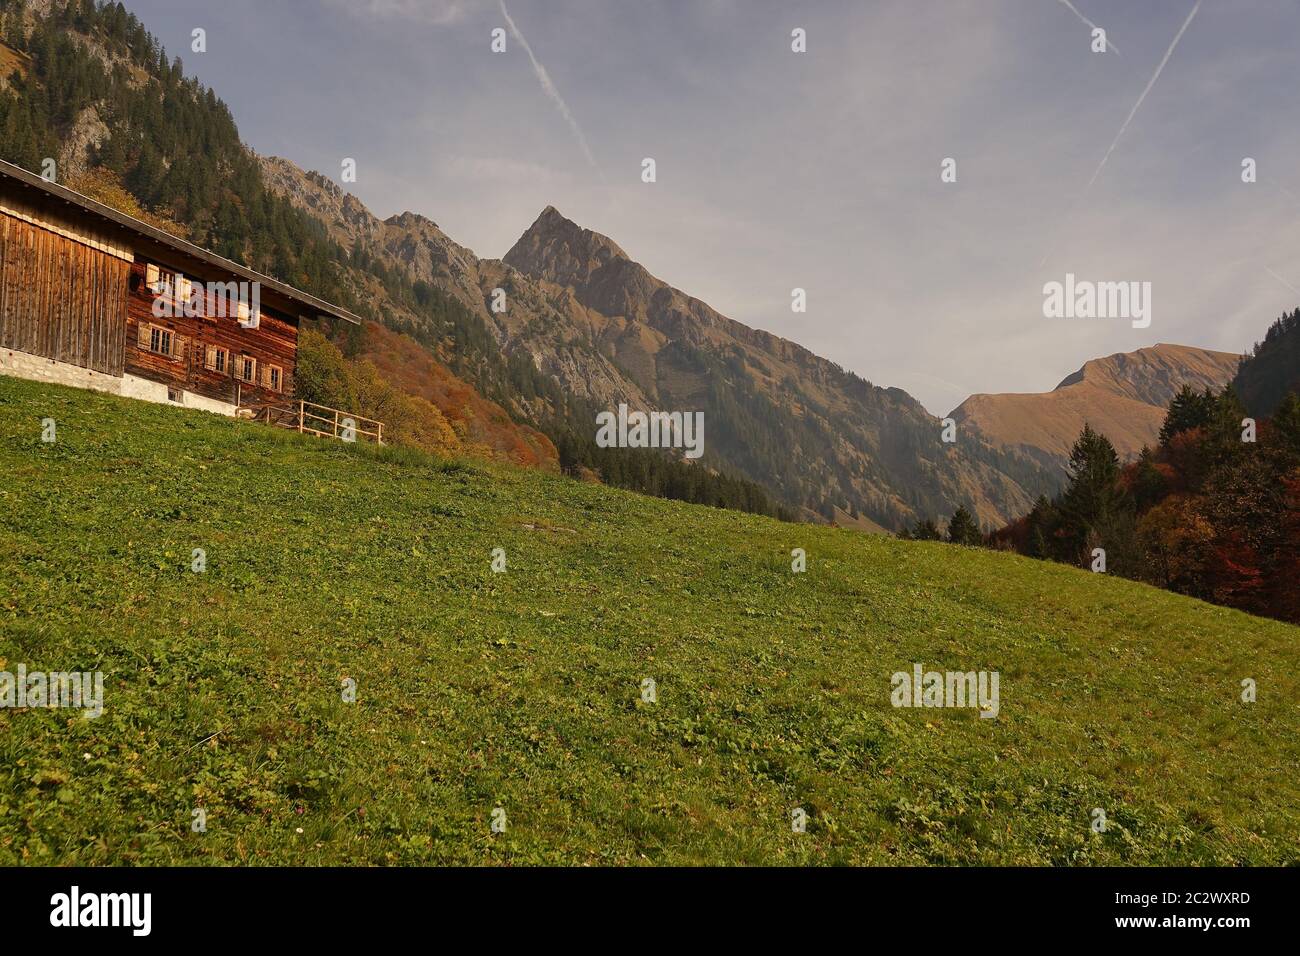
{"type": "Point", "coordinates": [559, 250]}
{"type": "Point", "coordinates": [608, 331]}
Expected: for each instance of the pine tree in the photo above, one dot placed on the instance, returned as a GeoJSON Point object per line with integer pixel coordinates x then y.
{"type": "Point", "coordinates": [1039, 526]}
{"type": "Point", "coordinates": [1093, 499]}
{"type": "Point", "coordinates": [1286, 424]}
{"type": "Point", "coordinates": [963, 529]}
{"type": "Point", "coordinates": [1093, 470]}
{"type": "Point", "coordinates": [922, 530]}
{"type": "Point", "coordinates": [1189, 409]}
{"type": "Point", "coordinates": [1223, 428]}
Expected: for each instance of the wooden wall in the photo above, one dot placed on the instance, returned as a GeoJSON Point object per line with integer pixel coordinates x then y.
{"type": "Point", "coordinates": [60, 298]}
{"type": "Point", "coordinates": [274, 342]}
{"type": "Point", "coordinates": [71, 301]}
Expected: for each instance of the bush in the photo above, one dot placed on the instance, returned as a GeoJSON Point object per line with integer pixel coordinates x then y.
{"type": "Point", "coordinates": [326, 377]}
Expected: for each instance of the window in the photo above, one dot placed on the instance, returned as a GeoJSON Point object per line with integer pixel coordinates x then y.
{"type": "Point", "coordinates": [161, 341]}
{"type": "Point", "coordinates": [216, 359]}
{"type": "Point", "coordinates": [247, 369]}
{"type": "Point", "coordinates": [175, 395]}
{"type": "Point", "coordinates": [272, 377]}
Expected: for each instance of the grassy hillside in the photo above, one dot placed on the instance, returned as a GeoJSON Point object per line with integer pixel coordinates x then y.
{"type": "Point", "coordinates": [521, 690]}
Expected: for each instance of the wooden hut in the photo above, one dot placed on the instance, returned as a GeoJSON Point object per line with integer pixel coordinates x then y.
{"type": "Point", "coordinates": [92, 297]}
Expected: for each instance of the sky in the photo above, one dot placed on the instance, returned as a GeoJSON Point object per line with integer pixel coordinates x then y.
{"type": "Point", "coordinates": [820, 170]}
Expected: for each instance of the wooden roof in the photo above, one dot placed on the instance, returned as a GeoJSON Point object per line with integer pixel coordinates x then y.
{"type": "Point", "coordinates": [152, 243]}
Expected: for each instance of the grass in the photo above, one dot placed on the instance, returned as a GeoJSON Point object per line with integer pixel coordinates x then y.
{"type": "Point", "coordinates": [522, 690]}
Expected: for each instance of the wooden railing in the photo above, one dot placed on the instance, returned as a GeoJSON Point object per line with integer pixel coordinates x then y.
{"type": "Point", "coordinates": [308, 418]}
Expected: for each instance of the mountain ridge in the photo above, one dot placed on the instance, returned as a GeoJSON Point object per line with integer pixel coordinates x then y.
{"type": "Point", "coordinates": [1123, 395]}
{"type": "Point", "coordinates": [608, 332]}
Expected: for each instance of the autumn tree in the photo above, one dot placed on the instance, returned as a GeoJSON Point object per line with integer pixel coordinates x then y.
{"type": "Point", "coordinates": [1179, 543]}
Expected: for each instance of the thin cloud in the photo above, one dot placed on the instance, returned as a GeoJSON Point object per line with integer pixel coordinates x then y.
{"type": "Point", "coordinates": [549, 88]}
{"type": "Point", "coordinates": [1075, 11]}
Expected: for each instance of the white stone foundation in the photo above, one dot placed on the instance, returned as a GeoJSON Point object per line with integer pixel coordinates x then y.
{"type": "Point", "coordinates": [38, 369]}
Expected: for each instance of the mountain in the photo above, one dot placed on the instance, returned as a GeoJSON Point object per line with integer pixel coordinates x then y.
{"type": "Point", "coordinates": [1124, 396]}
{"type": "Point", "coordinates": [586, 326]}
{"type": "Point", "coordinates": [816, 434]}
{"type": "Point", "coordinates": [1272, 370]}
{"type": "Point", "coordinates": [798, 423]}
{"type": "Point", "coordinates": [597, 324]}
{"type": "Point", "coordinates": [417, 247]}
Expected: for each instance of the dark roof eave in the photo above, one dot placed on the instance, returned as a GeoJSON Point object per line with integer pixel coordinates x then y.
{"type": "Point", "coordinates": [303, 299]}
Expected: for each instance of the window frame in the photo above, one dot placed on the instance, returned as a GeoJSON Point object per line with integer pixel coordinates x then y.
{"type": "Point", "coordinates": [177, 345]}
{"type": "Point", "coordinates": [161, 335]}
{"type": "Point", "coordinates": [220, 360]}
{"type": "Point", "coordinates": [271, 377]}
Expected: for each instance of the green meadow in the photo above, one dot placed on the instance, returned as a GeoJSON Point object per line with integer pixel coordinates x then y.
{"type": "Point", "coordinates": [332, 565]}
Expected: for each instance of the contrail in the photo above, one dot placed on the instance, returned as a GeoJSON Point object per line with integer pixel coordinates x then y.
{"type": "Point", "coordinates": [1075, 11]}
{"type": "Point", "coordinates": [1131, 113]}
{"type": "Point", "coordinates": [549, 88]}
{"type": "Point", "coordinates": [1150, 83]}
{"type": "Point", "coordinates": [1281, 280]}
